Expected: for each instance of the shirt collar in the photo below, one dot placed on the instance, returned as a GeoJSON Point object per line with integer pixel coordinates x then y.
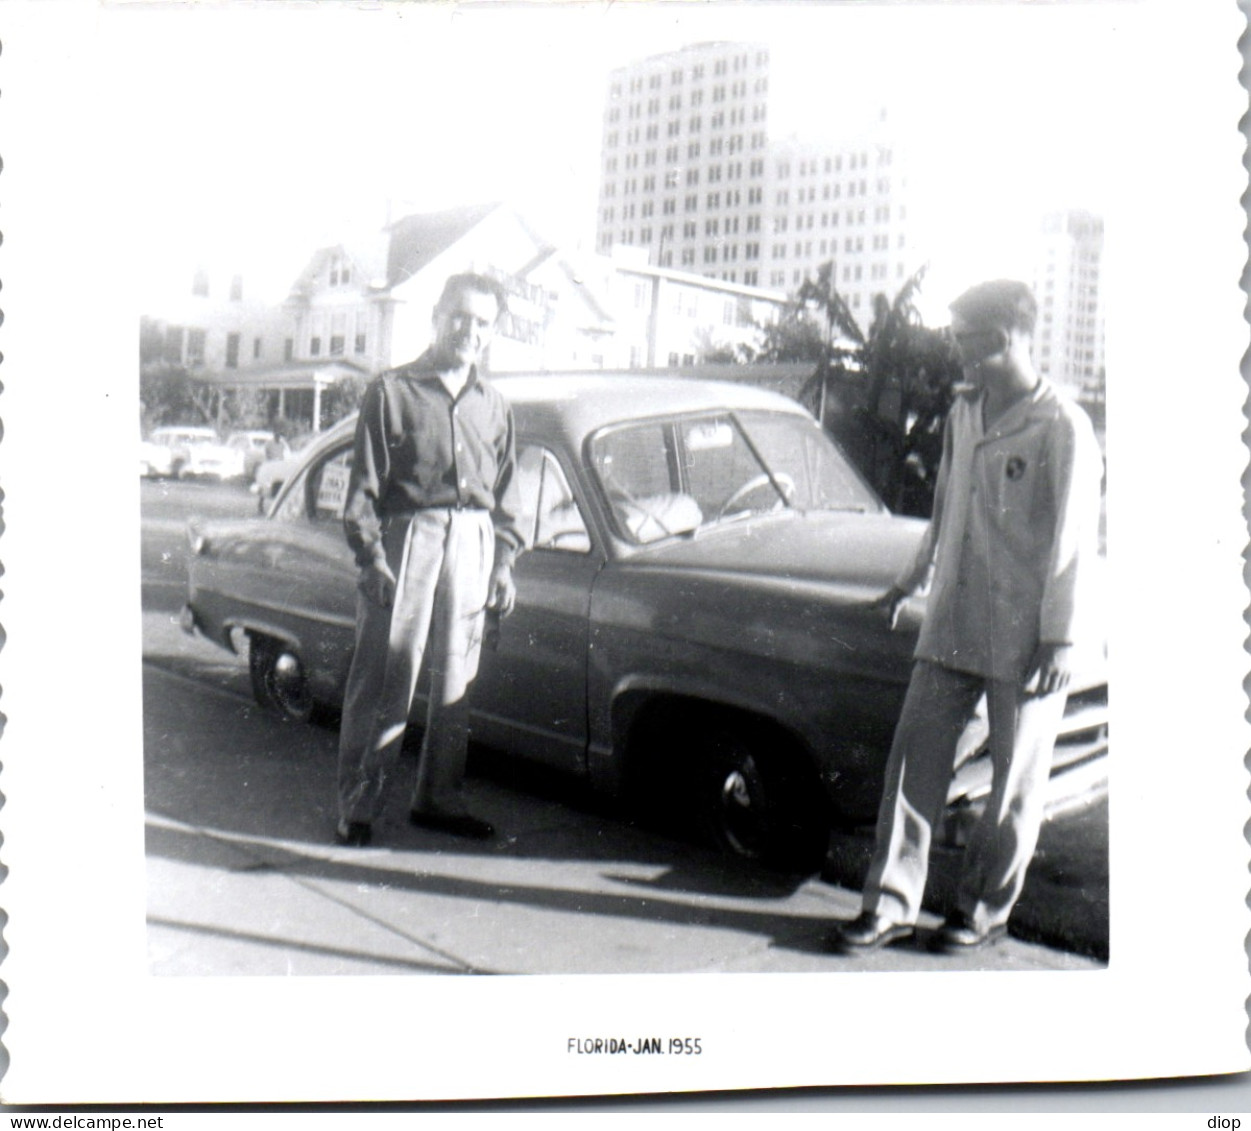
{"type": "Point", "coordinates": [421, 369]}
{"type": "Point", "coordinates": [1019, 414]}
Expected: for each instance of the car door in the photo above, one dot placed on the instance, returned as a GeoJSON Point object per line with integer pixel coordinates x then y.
{"type": "Point", "coordinates": [313, 577]}
{"type": "Point", "coordinates": [530, 696]}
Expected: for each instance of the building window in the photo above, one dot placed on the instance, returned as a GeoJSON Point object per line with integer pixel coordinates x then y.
{"type": "Point", "coordinates": [195, 348]}
{"type": "Point", "coordinates": [256, 348]}
{"type": "Point", "coordinates": [288, 349]}
{"type": "Point", "coordinates": [232, 351]}
{"type": "Point", "coordinates": [200, 283]}
{"type": "Point", "coordinates": [336, 345]}
{"type": "Point", "coordinates": [314, 346]}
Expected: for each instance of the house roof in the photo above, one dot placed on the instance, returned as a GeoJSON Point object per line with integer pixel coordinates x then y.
{"type": "Point", "coordinates": [417, 240]}
{"type": "Point", "coordinates": [400, 250]}
{"type": "Point", "coordinates": [289, 375]}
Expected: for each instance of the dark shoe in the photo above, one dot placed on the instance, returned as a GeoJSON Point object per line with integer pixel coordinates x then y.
{"type": "Point", "coordinates": [868, 931]}
{"type": "Point", "coordinates": [958, 935]}
{"type": "Point", "coordinates": [458, 824]}
{"type": "Point", "coordinates": [353, 834]}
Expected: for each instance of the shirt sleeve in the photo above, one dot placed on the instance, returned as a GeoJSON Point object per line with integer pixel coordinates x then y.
{"type": "Point", "coordinates": [1076, 470]}
{"type": "Point", "coordinates": [362, 523]}
{"type": "Point", "coordinates": [506, 515]}
{"type": "Point", "coordinates": [917, 575]}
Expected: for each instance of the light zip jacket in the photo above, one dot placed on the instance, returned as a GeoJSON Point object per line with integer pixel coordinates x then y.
{"type": "Point", "coordinates": [1014, 535]}
{"type": "Point", "coordinates": [417, 448]}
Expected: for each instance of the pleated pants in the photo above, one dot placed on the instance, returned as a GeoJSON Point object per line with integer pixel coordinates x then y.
{"type": "Point", "coordinates": [939, 703]}
{"type": "Point", "coordinates": [442, 560]}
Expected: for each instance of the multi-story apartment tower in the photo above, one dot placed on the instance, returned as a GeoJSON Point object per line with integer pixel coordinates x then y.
{"type": "Point", "coordinates": [690, 173]}
{"type": "Point", "coordinates": [1068, 341]}
{"type": "Point", "coordinates": [845, 203]}
{"type": "Point", "coordinates": [683, 161]}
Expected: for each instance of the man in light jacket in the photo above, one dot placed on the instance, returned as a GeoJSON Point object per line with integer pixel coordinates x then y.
{"type": "Point", "coordinates": [1012, 541]}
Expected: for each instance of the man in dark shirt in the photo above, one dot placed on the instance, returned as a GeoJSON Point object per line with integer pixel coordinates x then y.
{"type": "Point", "coordinates": [431, 516]}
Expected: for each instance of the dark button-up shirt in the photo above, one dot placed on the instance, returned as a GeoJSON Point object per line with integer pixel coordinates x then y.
{"type": "Point", "coordinates": [416, 447]}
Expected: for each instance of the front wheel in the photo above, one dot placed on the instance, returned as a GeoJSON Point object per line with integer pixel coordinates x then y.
{"type": "Point", "coordinates": [756, 800]}
{"type": "Point", "coordinates": [279, 682]}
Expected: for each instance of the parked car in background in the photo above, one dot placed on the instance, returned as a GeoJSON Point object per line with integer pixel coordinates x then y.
{"type": "Point", "coordinates": [692, 618]}
{"type": "Point", "coordinates": [196, 451]}
{"type": "Point", "coordinates": [156, 461]}
{"type": "Point", "coordinates": [257, 446]}
{"type": "Point", "coordinates": [273, 473]}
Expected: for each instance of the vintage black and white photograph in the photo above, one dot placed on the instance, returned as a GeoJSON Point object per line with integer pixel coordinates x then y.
{"type": "Point", "coordinates": [628, 505]}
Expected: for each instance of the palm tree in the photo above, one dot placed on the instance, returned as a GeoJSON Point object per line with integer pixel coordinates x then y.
{"type": "Point", "coordinates": [892, 388]}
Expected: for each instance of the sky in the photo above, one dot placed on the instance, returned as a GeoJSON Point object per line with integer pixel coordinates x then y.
{"type": "Point", "coordinates": [256, 134]}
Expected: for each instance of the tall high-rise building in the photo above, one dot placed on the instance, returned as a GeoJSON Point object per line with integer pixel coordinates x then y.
{"type": "Point", "coordinates": [683, 159]}
{"type": "Point", "coordinates": [691, 173]}
{"type": "Point", "coordinates": [1068, 340]}
{"type": "Point", "coordinates": [845, 203]}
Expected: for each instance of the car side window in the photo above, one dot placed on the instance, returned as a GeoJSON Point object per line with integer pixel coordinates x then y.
{"type": "Point", "coordinates": [550, 516]}
{"type": "Point", "coordinates": [320, 493]}
{"type": "Point", "coordinates": [637, 467]}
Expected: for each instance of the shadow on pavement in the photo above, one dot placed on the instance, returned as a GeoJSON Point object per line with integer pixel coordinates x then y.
{"type": "Point", "coordinates": [789, 931]}
{"type": "Point", "coordinates": [222, 763]}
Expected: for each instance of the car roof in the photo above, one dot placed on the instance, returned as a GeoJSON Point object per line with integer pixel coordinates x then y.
{"type": "Point", "coordinates": [185, 429]}
{"type": "Point", "coordinates": [582, 402]}
{"type": "Point", "coordinates": [576, 404]}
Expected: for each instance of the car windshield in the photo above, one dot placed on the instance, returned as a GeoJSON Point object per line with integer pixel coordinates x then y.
{"type": "Point", "coordinates": [679, 476]}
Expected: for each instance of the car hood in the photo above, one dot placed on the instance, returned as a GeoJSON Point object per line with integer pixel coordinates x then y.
{"type": "Point", "coordinates": [859, 551]}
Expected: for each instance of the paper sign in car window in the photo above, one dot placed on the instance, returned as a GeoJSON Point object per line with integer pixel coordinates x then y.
{"type": "Point", "coordinates": [708, 435]}
{"type": "Point", "coordinates": [332, 490]}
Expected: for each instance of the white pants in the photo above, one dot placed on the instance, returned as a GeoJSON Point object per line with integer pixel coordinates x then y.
{"type": "Point", "coordinates": [442, 560]}
{"type": "Point", "coordinates": [1023, 728]}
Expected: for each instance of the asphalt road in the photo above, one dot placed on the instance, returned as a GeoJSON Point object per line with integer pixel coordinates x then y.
{"type": "Point", "coordinates": [242, 877]}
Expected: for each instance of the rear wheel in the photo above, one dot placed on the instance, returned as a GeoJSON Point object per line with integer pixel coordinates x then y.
{"type": "Point", "coordinates": [279, 682]}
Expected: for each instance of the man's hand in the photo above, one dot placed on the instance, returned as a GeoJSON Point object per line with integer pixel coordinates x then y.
{"type": "Point", "coordinates": [377, 582]}
{"type": "Point", "coordinates": [502, 595]}
{"type": "Point", "coordinates": [890, 603]}
{"type": "Point", "coordinates": [1051, 669]}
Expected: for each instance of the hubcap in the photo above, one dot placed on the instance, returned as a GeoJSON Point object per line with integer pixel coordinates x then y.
{"type": "Point", "coordinates": [742, 813]}
{"type": "Point", "coordinates": [288, 682]}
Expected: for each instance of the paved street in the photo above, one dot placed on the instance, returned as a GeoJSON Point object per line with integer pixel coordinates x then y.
{"type": "Point", "coordinates": [242, 877]}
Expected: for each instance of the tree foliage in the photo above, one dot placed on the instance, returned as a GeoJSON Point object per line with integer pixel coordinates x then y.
{"type": "Point", "coordinates": [883, 394]}
{"type": "Point", "coordinates": [341, 399]}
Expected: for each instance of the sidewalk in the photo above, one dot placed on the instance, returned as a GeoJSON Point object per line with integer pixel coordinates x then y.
{"type": "Point", "coordinates": [242, 878]}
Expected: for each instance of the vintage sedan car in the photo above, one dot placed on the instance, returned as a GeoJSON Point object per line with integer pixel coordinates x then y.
{"type": "Point", "coordinates": [155, 460]}
{"type": "Point", "coordinates": [255, 447]}
{"type": "Point", "coordinates": [692, 618]}
{"type": "Point", "coordinates": [197, 452]}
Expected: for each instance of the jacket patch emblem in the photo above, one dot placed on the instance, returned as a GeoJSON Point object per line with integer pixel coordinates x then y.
{"type": "Point", "coordinates": [1015, 468]}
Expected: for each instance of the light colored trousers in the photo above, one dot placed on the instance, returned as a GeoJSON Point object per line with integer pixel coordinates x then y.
{"type": "Point", "coordinates": [938, 705]}
{"type": "Point", "coordinates": [442, 561]}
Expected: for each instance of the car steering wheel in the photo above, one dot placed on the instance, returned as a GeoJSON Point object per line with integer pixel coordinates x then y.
{"type": "Point", "coordinates": [780, 478]}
